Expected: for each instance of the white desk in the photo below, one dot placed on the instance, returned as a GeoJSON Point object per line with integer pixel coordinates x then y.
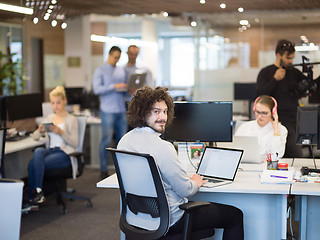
{"type": "Point", "coordinates": [264, 205]}
{"type": "Point", "coordinates": [307, 203]}
{"type": "Point", "coordinates": [17, 157]}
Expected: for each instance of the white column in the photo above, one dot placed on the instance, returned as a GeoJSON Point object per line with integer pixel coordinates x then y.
{"type": "Point", "coordinates": [77, 45]}
{"type": "Point", "coordinates": [150, 50]}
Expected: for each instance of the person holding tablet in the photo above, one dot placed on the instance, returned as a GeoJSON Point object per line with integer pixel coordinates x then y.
{"type": "Point", "coordinates": [62, 139]}
{"type": "Point", "coordinates": [272, 135]}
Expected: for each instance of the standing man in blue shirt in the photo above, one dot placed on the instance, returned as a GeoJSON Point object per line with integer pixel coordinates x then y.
{"type": "Point", "coordinates": [108, 82]}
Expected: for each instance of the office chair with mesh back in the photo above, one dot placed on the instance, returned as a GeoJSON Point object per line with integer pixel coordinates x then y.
{"type": "Point", "coordinates": [2, 144]}
{"type": "Point", "coordinates": [57, 177]}
{"type": "Point", "coordinates": [145, 210]}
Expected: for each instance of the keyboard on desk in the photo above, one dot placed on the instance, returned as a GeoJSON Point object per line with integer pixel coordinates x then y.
{"type": "Point", "coordinates": [212, 180]}
{"type": "Point", "coordinates": [15, 138]}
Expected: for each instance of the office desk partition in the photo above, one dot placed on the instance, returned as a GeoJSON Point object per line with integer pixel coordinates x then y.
{"type": "Point", "coordinates": [264, 205]}
{"type": "Point", "coordinates": [17, 157]}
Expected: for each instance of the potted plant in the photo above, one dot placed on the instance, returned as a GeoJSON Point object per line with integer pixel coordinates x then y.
{"type": "Point", "coordinates": [11, 75]}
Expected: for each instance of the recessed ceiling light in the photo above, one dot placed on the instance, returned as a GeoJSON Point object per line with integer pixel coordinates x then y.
{"type": "Point", "coordinates": [193, 23]}
{"type": "Point", "coordinates": [223, 5]}
{"type": "Point", "coordinates": [64, 25]}
{"type": "Point", "coordinates": [165, 14]}
{"type": "Point", "coordinates": [54, 23]}
{"type": "Point", "coordinates": [240, 9]}
{"type": "Point", "coordinates": [35, 20]}
{"type": "Point", "coordinates": [202, 1]}
{"type": "Point", "coordinates": [244, 22]}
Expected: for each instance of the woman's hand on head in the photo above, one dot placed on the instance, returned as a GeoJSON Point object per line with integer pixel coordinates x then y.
{"type": "Point", "coordinates": [275, 121]}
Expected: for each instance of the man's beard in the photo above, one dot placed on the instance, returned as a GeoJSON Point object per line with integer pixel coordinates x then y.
{"type": "Point", "coordinates": [163, 127]}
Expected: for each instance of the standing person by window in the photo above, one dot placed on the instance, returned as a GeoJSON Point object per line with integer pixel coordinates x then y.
{"type": "Point", "coordinates": [108, 82]}
{"type": "Point", "coordinates": [281, 81]}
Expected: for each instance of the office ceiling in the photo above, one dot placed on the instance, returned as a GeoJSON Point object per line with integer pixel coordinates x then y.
{"type": "Point", "coordinates": [271, 11]}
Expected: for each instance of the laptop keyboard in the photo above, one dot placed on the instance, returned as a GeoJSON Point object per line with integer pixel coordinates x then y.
{"type": "Point", "coordinates": [212, 180]}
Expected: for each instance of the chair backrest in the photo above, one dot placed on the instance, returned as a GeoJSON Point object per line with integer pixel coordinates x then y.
{"type": "Point", "coordinates": [82, 122]}
{"type": "Point", "coordinates": [10, 208]}
{"type": "Point", "coordinates": [2, 147]}
{"type": "Point", "coordinates": [145, 210]}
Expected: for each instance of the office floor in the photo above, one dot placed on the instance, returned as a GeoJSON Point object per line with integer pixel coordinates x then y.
{"type": "Point", "coordinates": [80, 222]}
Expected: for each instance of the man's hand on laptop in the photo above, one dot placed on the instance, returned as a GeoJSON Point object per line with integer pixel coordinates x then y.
{"type": "Point", "coordinates": [198, 179]}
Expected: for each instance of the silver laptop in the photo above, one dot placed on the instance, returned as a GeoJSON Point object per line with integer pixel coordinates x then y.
{"type": "Point", "coordinates": [219, 165]}
{"type": "Point", "coordinates": [249, 144]}
{"type": "Point", "coordinates": [135, 82]}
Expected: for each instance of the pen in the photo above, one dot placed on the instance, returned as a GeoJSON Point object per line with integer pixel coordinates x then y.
{"type": "Point", "coordinates": [277, 176]}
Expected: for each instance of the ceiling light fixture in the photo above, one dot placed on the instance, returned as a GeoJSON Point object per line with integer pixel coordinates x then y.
{"type": "Point", "coordinates": [193, 23]}
{"type": "Point", "coordinates": [223, 5]}
{"type": "Point", "coordinates": [17, 9]}
{"type": "Point", "coordinates": [54, 1]}
{"type": "Point", "coordinates": [244, 22]}
{"type": "Point", "coordinates": [165, 14]}
{"type": "Point", "coordinates": [35, 20]}
{"type": "Point", "coordinates": [64, 25]}
{"type": "Point", "coordinates": [54, 23]}
{"type": "Point", "coordinates": [202, 1]}
{"type": "Point", "coordinates": [240, 9]}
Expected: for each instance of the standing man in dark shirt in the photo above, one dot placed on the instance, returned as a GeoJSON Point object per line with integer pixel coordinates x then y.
{"type": "Point", "coordinates": [281, 81]}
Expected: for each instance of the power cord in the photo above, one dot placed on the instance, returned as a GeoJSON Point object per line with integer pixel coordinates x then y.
{"type": "Point", "coordinates": [189, 157]}
{"type": "Point", "coordinates": [289, 215]}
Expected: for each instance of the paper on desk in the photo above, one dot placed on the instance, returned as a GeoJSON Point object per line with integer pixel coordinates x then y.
{"type": "Point", "coordinates": [277, 176]}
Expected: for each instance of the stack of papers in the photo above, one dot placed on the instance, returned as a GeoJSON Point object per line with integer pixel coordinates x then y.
{"type": "Point", "coordinates": [278, 176]}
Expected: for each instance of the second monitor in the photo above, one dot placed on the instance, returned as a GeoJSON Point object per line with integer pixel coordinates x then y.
{"type": "Point", "coordinates": [201, 122]}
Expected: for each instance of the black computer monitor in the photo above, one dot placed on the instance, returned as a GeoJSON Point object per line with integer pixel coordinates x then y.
{"type": "Point", "coordinates": [307, 125]}
{"type": "Point", "coordinates": [201, 122]}
{"type": "Point", "coordinates": [23, 106]}
{"type": "Point", "coordinates": [245, 91]}
{"type": "Point", "coordinates": [315, 97]}
{"type": "Point", "coordinates": [74, 95]}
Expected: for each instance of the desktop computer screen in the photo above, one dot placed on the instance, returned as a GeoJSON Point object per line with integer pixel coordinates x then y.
{"type": "Point", "coordinates": [307, 125]}
{"type": "Point", "coordinates": [245, 91]}
{"type": "Point", "coordinates": [74, 95]}
{"type": "Point", "coordinates": [23, 106]}
{"type": "Point", "coordinates": [201, 122]}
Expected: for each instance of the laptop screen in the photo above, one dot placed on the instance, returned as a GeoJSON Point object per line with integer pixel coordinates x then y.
{"type": "Point", "coordinates": [221, 163]}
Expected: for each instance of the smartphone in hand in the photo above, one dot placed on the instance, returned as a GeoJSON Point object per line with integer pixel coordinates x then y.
{"type": "Point", "coordinates": [46, 126]}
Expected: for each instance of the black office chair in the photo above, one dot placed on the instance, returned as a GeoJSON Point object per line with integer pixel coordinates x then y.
{"type": "Point", "coordinates": [57, 178]}
{"type": "Point", "coordinates": [2, 144]}
{"type": "Point", "coordinates": [145, 211]}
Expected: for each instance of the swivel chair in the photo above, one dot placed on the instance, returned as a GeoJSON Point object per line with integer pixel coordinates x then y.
{"type": "Point", "coordinates": [57, 177]}
{"type": "Point", "coordinates": [144, 206]}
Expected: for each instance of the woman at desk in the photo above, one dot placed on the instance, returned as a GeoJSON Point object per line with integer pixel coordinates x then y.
{"type": "Point", "coordinates": [271, 134]}
{"type": "Point", "coordinates": [62, 139]}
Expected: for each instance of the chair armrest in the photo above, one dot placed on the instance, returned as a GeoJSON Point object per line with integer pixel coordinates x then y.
{"type": "Point", "coordinates": [76, 154]}
{"type": "Point", "coordinates": [190, 206]}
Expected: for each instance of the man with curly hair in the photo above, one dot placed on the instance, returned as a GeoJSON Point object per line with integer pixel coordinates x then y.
{"type": "Point", "coordinates": [149, 111]}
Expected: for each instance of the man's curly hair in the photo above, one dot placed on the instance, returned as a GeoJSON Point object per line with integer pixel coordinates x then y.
{"type": "Point", "coordinates": [140, 106]}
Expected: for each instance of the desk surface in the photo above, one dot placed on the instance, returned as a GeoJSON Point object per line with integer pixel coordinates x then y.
{"type": "Point", "coordinates": [301, 188]}
{"type": "Point", "coordinates": [26, 143]}
{"type": "Point", "coordinates": [246, 181]}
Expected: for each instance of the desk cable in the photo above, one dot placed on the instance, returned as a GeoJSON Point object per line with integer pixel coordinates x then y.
{"type": "Point", "coordinates": [289, 213]}
{"type": "Point", "coordinates": [189, 157]}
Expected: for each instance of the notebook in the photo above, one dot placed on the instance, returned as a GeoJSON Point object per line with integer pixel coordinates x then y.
{"type": "Point", "coordinates": [135, 82]}
{"type": "Point", "coordinates": [219, 165]}
{"type": "Point", "coordinates": [249, 144]}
